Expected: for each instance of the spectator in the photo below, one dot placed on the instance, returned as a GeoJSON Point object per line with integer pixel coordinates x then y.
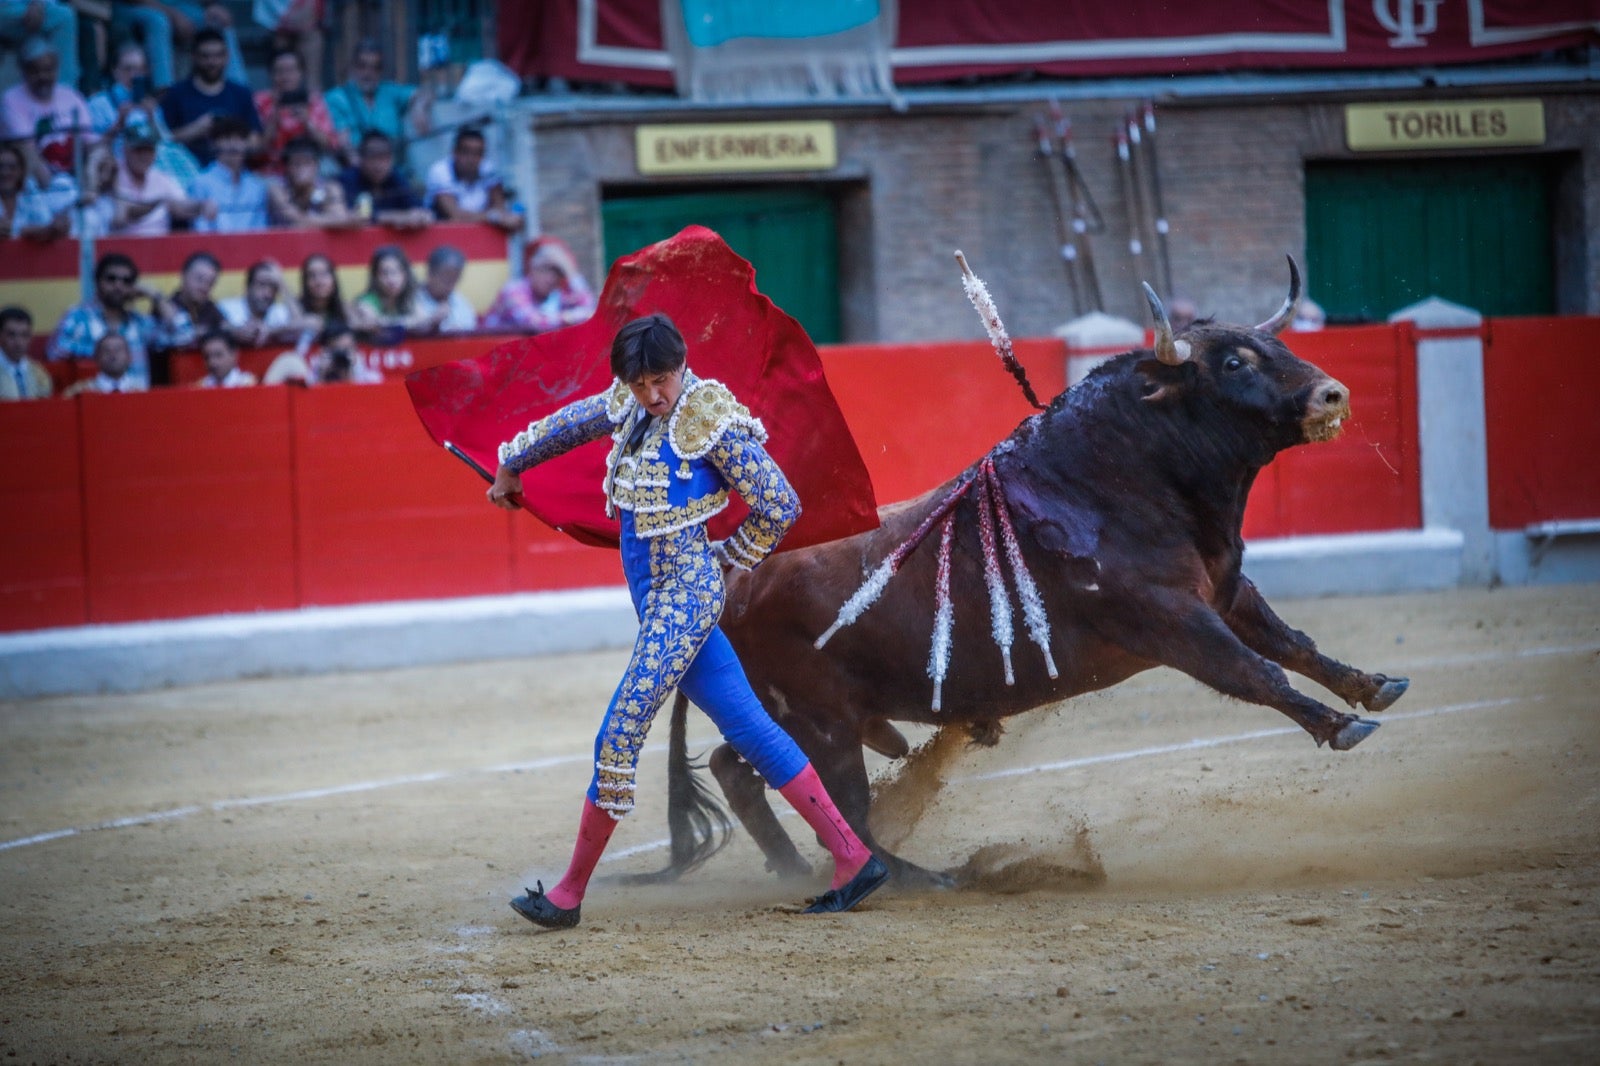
{"type": "Point", "coordinates": [99, 212]}
{"type": "Point", "coordinates": [376, 190]}
{"type": "Point", "coordinates": [150, 199]}
{"type": "Point", "coordinates": [289, 112]}
{"type": "Point", "coordinates": [296, 26]}
{"type": "Point", "coordinates": [21, 376]}
{"type": "Point", "coordinates": [321, 304]}
{"type": "Point", "coordinates": [1182, 313]}
{"type": "Point", "coordinates": [551, 293]}
{"type": "Point", "coordinates": [366, 102]}
{"type": "Point", "coordinates": [340, 361]}
{"type": "Point", "coordinates": [442, 308]}
{"type": "Point", "coordinates": [465, 187]}
{"type": "Point", "coordinates": [195, 313]}
{"type": "Point", "coordinates": [161, 26]}
{"type": "Point", "coordinates": [116, 284]}
{"type": "Point", "coordinates": [24, 209]}
{"type": "Point", "coordinates": [222, 363]}
{"type": "Point", "coordinates": [55, 22]}
{"type": "Point", "coordinates": [193, 106]}
{"type": "Point", "coordinates": [239, 198]}
{"type": "Point", "coordinates": [1309, 317]}
{"type": "Point", "coordinates": [112, 360]}
{"type": "Point", "coordinates": [130, 101]}
{"type": "Point", "coordinates": [303, 197]}
{"type": "Point", "coordinates": [45, 113]}
{"type": "Point", "coordinates": [259, 317]}
{"type": "Point", "coordinates": [391, 296]}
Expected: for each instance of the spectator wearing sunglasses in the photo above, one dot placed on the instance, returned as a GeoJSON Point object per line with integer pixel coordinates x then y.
{"type": "Point", "coordinates": [116, 285]}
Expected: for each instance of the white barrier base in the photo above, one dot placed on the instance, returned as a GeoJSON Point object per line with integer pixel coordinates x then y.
{"type": "Point", "coordinates": [1552, 554]}
{"type": "Point", "coordinates": [146, 655]}
{"type": "Point", "coordinates": [1411, 560]}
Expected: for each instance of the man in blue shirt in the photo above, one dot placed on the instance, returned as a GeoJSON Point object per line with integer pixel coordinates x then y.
{"type": "Point", "coordinates": [193, 107]}
{"type": "Point", "coordinates": [116, 283]}
{"type": "Point", "coordinates": [378, 192]}
{"type": "Point", "coordinates": [240, 196]}
{"type": "Point", "coordinates": [367, 102]}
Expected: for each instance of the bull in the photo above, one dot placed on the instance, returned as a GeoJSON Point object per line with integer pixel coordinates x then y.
{"type": "Point", "coordinates": [1126, 496]}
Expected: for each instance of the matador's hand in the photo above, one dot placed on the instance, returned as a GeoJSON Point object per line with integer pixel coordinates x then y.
{"type": "Point", "coordinates": [506, 491]}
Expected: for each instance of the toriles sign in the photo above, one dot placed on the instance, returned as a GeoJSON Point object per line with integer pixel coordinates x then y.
{"type": "Point", "coordinates": [1414, 126]}
{"type": "Point", "coordinates": [735, 147]}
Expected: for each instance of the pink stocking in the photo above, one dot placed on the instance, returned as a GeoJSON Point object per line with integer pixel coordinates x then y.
{"type": "Point", "coordinates": [806, 794]}
{"type": "Point", "coordinates": [594, 831]}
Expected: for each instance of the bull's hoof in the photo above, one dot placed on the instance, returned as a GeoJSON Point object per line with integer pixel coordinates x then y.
{"type": "Point", "coordinates": [909, 877]}
{"type": "Point", "coordinates": [790, 868]}
{"type": "Point", "coordinates": [1354, 732]}
{"type": "Point", "coordinates": [1392, 689]}
{"type": "Point", "coordinates": [654, 877]}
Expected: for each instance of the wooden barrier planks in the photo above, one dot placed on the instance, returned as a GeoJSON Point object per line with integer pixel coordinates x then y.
{"type": "Point", "coordinates": [187, 503]}
{"type": "Point", "coordinates": [1543, 434]}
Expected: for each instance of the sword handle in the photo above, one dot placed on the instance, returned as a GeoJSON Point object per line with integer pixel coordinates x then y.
{"type": "Point", "coordinates": [470, 461]}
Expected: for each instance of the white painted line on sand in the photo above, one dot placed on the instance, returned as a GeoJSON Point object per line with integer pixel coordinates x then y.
{"type": "Point", "coordinates": [1143, 753]}
{"type": "Point", "coordinates": [1236, 738]}
{"type": "Point", "coordinates": [545, 763]}
{"type": "Point", "coordinates": [304, 794]}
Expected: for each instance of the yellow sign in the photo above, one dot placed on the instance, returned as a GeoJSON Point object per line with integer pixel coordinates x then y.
{"type": "Point", "coordinates": [736, 146]}
{"type": "Point", "coordinates": [1478, 123]}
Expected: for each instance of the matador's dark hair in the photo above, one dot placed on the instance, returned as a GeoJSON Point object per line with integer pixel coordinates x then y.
{"type": "Point", "coordinates": [648, 345]}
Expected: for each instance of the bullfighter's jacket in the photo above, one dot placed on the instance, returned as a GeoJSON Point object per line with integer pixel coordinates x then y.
{"type": "Point", "coordinates": [680, 472]}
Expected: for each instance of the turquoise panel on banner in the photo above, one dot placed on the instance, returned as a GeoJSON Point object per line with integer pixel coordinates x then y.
{"type": "Point", "coordinates": [711, 22]}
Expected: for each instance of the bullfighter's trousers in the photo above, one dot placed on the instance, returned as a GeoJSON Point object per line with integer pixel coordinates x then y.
{"type": "Point", "coordinates": [676, 584]}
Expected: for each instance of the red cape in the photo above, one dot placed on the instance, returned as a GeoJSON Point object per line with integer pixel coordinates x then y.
{"type": "Point", "coordinates": [735, 335]}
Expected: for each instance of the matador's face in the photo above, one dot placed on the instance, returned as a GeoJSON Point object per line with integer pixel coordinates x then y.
{"type": "Point", "coordinates": [658, 393]}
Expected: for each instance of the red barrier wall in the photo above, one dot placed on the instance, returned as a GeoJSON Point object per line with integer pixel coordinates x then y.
{"type": "Point", "coordinates": [1370, 478]}
{"type": "Point", "coordinates": [382, 514]}
{"type": "Point", "coordinates": [187, 505]}
{"type": "Point", "coordinates": [42, 577]}
{"type": "Point", "coordinates": [1543, 435]}
{"type": "Point", "coordinates": [186, 501]}
{"type": "Point", "coordinates": [921, 413]}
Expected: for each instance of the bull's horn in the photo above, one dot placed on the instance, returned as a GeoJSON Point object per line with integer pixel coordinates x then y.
{"type": "Point", "coordinates": [1285, 315]}
{"type": "Point", "coordinates": [1169, 351]}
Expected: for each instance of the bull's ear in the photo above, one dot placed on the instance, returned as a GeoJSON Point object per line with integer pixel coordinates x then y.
{"type": "Point", "coordinates": [1160, 382]}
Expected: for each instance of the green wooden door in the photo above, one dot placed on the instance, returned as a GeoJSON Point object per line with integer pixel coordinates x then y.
{"type": "Point", "coordinates": [788, 234]}
{"type": "Point", "coordinates": [1381, 236]}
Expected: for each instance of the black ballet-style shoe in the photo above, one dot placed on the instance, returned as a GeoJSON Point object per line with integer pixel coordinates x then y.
{"type": "Point", "coordinates": [867, 880]}
{"type": "Point", "coordinates": [537, 908]}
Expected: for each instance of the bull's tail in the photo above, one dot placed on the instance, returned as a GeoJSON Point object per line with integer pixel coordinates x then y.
{"type": "Point", "coordinates": [699, 826]}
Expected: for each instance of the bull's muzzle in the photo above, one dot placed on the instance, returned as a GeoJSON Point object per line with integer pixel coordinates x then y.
{"type": "Point", "coordinates": [1327, 410]}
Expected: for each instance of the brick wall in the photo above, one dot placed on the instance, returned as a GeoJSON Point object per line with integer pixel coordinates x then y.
{"type": "Point", "coordinates": [914, 186]}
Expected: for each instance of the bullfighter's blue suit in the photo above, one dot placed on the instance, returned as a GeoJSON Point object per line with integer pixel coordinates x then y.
{"type": "Point", "coordinates": [665, 478]}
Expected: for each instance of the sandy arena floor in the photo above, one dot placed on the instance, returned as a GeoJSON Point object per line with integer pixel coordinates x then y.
{"type": "Point", "coordinates": [317, 870]}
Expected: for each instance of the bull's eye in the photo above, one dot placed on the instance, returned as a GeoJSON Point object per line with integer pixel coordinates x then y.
{"type": "Point", "coordinates": [1233, 362]}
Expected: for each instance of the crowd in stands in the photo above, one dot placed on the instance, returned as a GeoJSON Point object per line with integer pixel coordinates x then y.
{"type": "Point", "coordinates": [130, 329]}
{"type": "Point", "coordinates": [156, 150]}
{"type": "Point", "coordinates": [205, 153]}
